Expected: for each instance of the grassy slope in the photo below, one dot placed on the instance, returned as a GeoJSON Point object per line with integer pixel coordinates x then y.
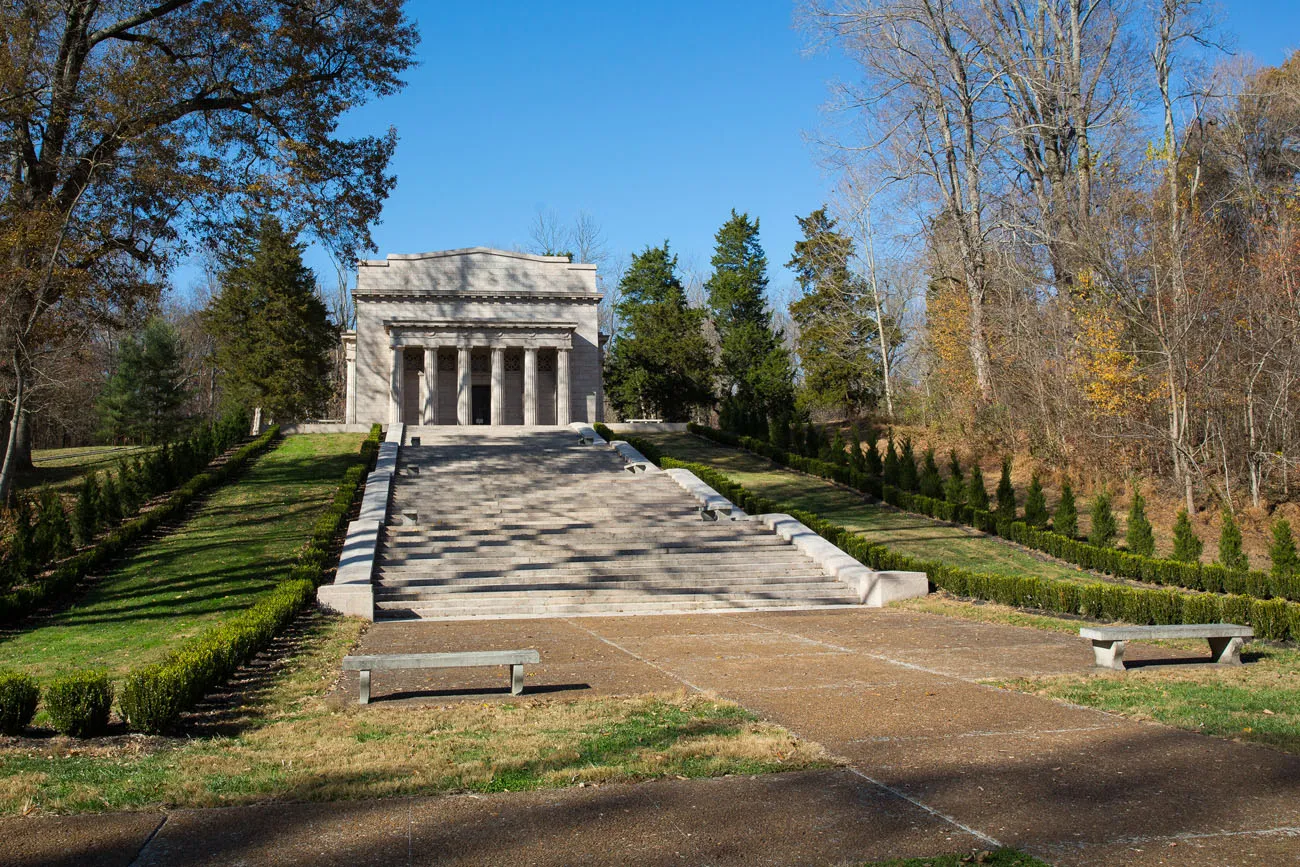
{"type": "Point", "coordinates": [239, 543]}
{"type": "Point", "coordinates": [910, 534]}
{"type": "Point", "coordinates": [62, 469]}
{"type": "Point", "coordinates": [295, 745]}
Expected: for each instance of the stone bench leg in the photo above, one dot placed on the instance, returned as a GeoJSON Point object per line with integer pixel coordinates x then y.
{"type": "Point", "coordinates": [1226, 651]}
{"type": "Point", "coordinates": [1108, 653]}
{"type": "Point", "coordinates": [516, 679]}
{"type": "Point", "coordinates": [364, 677]}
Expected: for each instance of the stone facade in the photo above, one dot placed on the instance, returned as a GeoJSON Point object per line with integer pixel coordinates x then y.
{"type": "Point", "coordinates": [474, 336]}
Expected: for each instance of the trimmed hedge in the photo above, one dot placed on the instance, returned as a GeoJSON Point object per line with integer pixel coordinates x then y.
{"type": "Point", "coordinates": [1111, 561]}
{"type": "Point", "coordinates": [18, 697]}
{"type": "Point", "coordinates": [1272, 619]}
{"type": "Point", "coordinates": [22, 601]}
{"type": "Point", "coordinates": [78, 703]}
{"type": "Point", "coordinates": [154, 697]}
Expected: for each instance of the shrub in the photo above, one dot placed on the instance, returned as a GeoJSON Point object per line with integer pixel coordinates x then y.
{"type": "Point", "coordinates": [891, 472]}
{"type": "Point", "coordinates": [1138, 536]}
{"type": "Point", "coordinates": [1282, 551]}
{"type": "Point", "coordinates": [1066, 520]}
{"type": "Point", "coordinates": [977, 497]}
{"type": "Point", "coordinates": [110, 501]}
{"type": "Point", "coordinates": [18, 697]}
{"type": "Point", "coordinates": [855, 449]}
{"type": "Point", "coordinates": [85, 514]}
{"type": "Point", "coordinates": [1231, 555]}
{"type": "Point", "coordinates": [78, 703]}
{"type": "Point", "coordinates": [874, 465]}
{"type": "Point", "coordinates": [1104, 528]}
{"type": "Point", "coordinates": [1035, 504]}
{"type": "Point", "coordinates": [908, 478]}
{"type": "Point", "coordinates": [954, 490]}
{"type": "Point", "coordinates": [931, 483]}
{"type": "Point", "coordinates": [1187, 546]}
{"type": "Point", "coordinates": [838, 449]}
{"type": "Point", "coordinates": [1006, 493]}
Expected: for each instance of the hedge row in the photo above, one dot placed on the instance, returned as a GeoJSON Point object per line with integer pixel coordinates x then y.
{"type": "Point", "coordinates": [1273, 619]}
{"type": "Point", "coordinates": [1111, 561]}
{"type": "Point", "coordinates": [22, 601]}
{"type": "Point", "coordinates": [154, 697]}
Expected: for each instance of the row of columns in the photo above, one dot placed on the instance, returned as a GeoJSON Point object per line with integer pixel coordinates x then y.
{"type": "Point", "coordinates": [429, 400]}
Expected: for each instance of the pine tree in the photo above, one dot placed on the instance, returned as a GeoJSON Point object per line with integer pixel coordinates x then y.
{"type": "Point", "coordinates": [755, 371]}
{"type": "Point", "coordinates": [22, 539]}
{"type": "Point", "coordinates": [110, 500]}
{"type": "Point", "coordinates": [977, 496]}
{"type": "Point", "coordinates": [1187, 546]}
{"type": "Point", "coordinates": [931, 481]}
{"type": "Point", "coordinates": [1139, 538]}
{"type": "Point", "coordinates": [1231, 554]}
{"type": "Point", "coordinates": [1282, 551]}
{"type": "Point", "coordinates": [1066, 520]}
{"type": "Point", "coordinates": [273, 334]}
{"type": "Point", "coordinates": [130, 486]}
{"type": "Point", "coordinates": [812, 442]}
{"type": "Point", "coordinates": [855, 449]}
{"type": "Point", "coordinates": [86, 518]}
{"type": "Point", "coordinates": [908, 478]}
{"type": "Point", "coordinates": [892, 470]}
{"type": "Point", "coordinates": [1035, 504]}
{"type": "Point", "coordinates": [875, 467]}
{"type": "Point", "coordinates": [1006, 493]}
{"type": "Point", "coordinates": [144, 399]}
{"type": "Point", "coordinates": [838, 449]}
{"type": "Point", "coordinates": [1104, 528]}
{"type": "Point", "coordinates": [52, 536]}
{"type": "Point", "coordinates": [778, 432]}
{"type": "Point", "coordinates": [954, 490]}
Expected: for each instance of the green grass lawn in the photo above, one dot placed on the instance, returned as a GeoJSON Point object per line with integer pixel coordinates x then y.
{"type": "Point", "coordinates": [239, 542]}
{"type": "Point", "coordinates": [62, 469]}
{"type": "Point", "coordinates": [911, 534]}
{"type": "Point", "coordinates": [999, 858]}
{"type": "Point", "coordinates": [289, 741]}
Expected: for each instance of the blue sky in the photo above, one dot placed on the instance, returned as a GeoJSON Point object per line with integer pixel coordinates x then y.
{"type": "Point", "coordinates": [657, 118]}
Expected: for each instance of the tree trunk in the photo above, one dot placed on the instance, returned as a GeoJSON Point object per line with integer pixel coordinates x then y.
{"type": "Point", "coordinates": [17, 420]}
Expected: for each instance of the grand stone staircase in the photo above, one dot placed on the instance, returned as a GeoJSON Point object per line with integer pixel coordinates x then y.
{"type": "Point", "coordinates": [530, 523]}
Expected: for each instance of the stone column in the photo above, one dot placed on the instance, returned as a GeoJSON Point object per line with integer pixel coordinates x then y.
{"type": "Point", "coordinates": [350, 407]}
{"type": "Point", "coordinates": [562, 387]}
{"type": "Point", "coordinates": [396, 374]}
{"type": "Point", "coordinates": [462, 386]}
{"type": "Point", "coordinates": [429, 412]}
{"type": "Point", "coordinates": [498, 386]}
{"type": "Point", "coordinates": [530, 386]}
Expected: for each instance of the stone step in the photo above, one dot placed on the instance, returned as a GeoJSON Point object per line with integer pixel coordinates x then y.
{"type": "Point", "coordinates": [624, 545]}
{"type": "Point", "coordinates": [401, 536]}
{"type": "Point", "coordinates": [407, 611]}
{"type": "Point", "coordinates": [392, 588]}
{"type": "Point", "coordinates": [731, 573]}
{"type": "Point", "coordinates": [645, 559]}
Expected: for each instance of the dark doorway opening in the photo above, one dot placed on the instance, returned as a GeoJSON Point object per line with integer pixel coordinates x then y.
{"type": "Point", "coordinates": [480, 404]}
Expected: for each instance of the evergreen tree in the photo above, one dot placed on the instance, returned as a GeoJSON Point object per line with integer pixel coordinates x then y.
{"type": "Point", "coordinates": [1139, 538]}
{"type": "Point", "coordinates": [1066, 520]}
{"type": "Point", "coordinates": [1035, 504]}
{"type": "Point", "coordinates": [778, 432]}
{"type": "Point", "coordinates": [838, 371]}
{"type": "Point", "coordinates": [875, 467]}
{"type": "Point", "coordinates": [855, 449]}
{"type": "Point", "coordinates": [52, 535]}
{"type": "Point", "coordinates": [812, 442]}
{"type": "Point", "coordinates": [954, 490]}
{"type": "Point", "coordinates": [130, 488]}
{"type": "Point", "coordinates": [1231, 554]}
{"type": "Point", "coordinates": [273, 335]}
{"type": "Point", "coordinates": [892, 469]}
{"type": "Point", "coordinates": [86, 518]}
{"type": "Point", "coordinates": [1006, 493]}
{"type": "Point", "coordinates": [1282, 551]}
{"type": "Point", "coordinates": [977, 496]}
{"type": "Point", "coordinates": [755, 372]}
{"type": "Point", "coordinates": [908, 478]}
{"type": "Point", "coordinates": [22, 540]}
{"type": "Point", "coordinates": [1104, 527]}
{"type": "Point", "coordinates": [144, 398]}
{"type": "Point", "coordinates": [1187, 546]}
{"type": "Point", "coordinates": [110, 500]}
{"type": "Point", "coordinates": [840, 455]}
{"type": "Point", "coordinates": [931, 481]}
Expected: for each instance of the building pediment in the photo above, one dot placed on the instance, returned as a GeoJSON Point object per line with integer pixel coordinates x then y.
{"type": "Point", "coordinates": [478, 272]}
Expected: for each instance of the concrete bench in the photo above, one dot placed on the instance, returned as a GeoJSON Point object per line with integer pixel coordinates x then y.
{"type": "Point", "coordinates": [473, 659]}
{"type": "Point", "coordinates": [1108, 642]}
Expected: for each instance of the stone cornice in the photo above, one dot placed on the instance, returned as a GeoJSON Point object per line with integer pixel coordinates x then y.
{"type": "Point", "coordinates": [498, 296]}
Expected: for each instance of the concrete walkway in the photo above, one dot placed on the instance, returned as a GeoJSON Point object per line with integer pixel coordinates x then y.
{"type": "Point", "coordinates": [936, 761]}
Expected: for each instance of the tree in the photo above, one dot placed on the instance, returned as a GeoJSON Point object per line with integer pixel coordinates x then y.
{"type": "Point", "coordinates": [1103, 527]}
{"type": "Point", "coordinates": [908, 479]}
{"type": "Point", "coordinates": [86, 514]}
{"type": "Point", "coordinates": [1231, 554]}
{"type": "Point", "coordinates": [144, 400]}
{"type": "Point", "coordinates": [874, 465]}
{"type": "Point", "coordinates": [126, 124]}
{"type": "Point", "coordinates": [1138, 535]}
{"type": "Point", "coordinates": [1066, 520]}
{"type": "Point", "coordinates": [755, 373]}
{"type": "Point", "coordinates": [1187, 545]}
{"type": "Point", "coordinates": [836, 337]}
{"type": "Point", "coordinates": [272, 331]}
{"type": "Point", "coordinates": [1035, 504]}
{"type": "Point", "coordinates": [954, 490]}
{"type": "Point", "coordinates": [856, 459]}
{"type": "Point", "coordinates": [977, 496]}
{"type": "Point", "coordinates": [661, 363]}
{"type": "Point", "coordinates": [1006, 493]}
{"type": "Point", "coordinates": [931, 481]}
{"type": "Point", "coordinates": [891, 471]}
{"type": "Point", "coordinates": [1282, 551]}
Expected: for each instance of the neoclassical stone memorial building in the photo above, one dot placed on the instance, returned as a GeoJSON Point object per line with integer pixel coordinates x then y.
{"type": "Point", "coordinates": [474, 336]}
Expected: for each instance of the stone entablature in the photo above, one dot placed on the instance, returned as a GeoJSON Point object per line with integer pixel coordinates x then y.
{"type": "Point", "coordinates": [474, 336]}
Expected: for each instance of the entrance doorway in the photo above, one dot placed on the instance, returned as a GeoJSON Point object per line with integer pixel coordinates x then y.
{"type": "Point", "coordinates": [480, 405]}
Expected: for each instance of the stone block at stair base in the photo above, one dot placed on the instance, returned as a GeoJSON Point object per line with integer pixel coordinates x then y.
{"type": "Point", "coordinates": [636, 462]}
{"type": "Point", "coordinates": [709, 499]}
{"type": "Point", "coordinates": [350, 600]}
{"type": "Point", "coordinates": [357, 561]}
{"type": "Point", "coordinates": [874, 589]}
